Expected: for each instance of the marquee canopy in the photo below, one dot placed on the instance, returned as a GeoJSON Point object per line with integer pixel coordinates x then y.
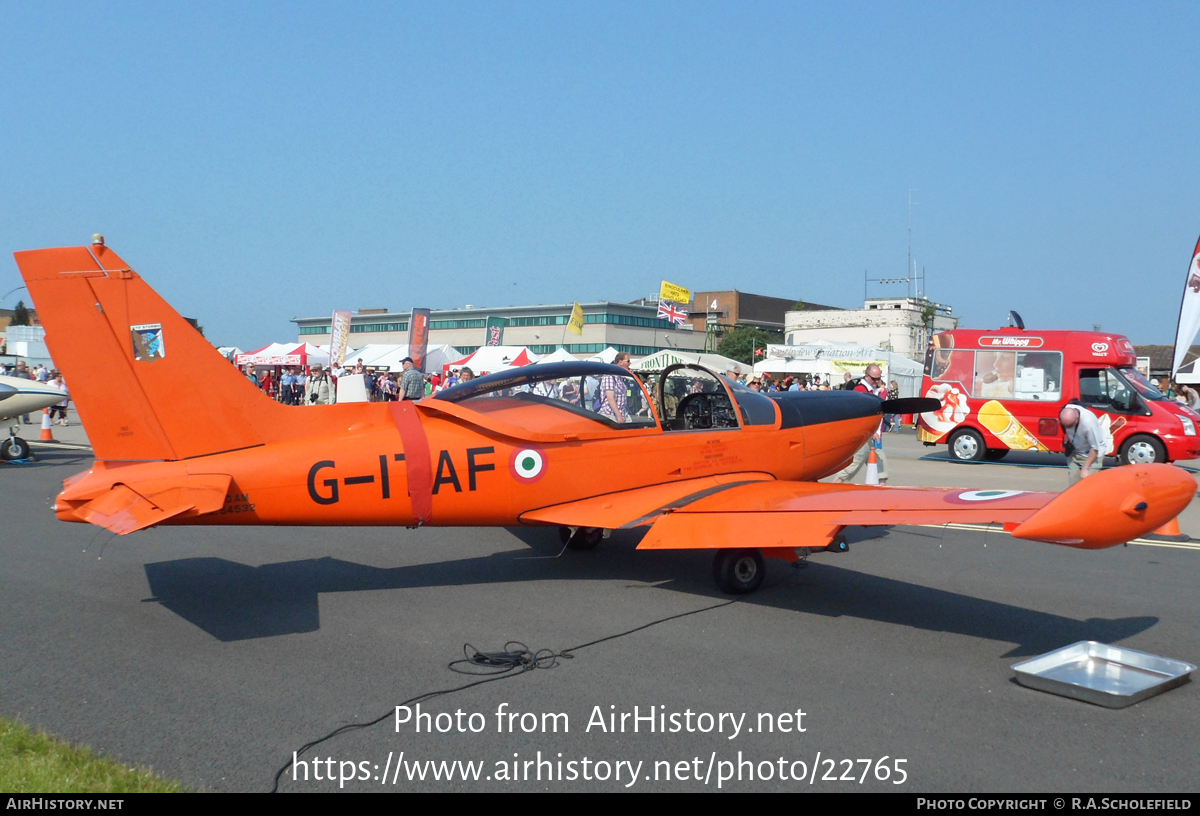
{"type": "Point", "coordinates": [559, 356]}
{"type": "Point", "coordinates": [496, 358]}
{"type": "Point", "coordinates": [668, 357]}
{"type": "Point", "coordinates": [833, 360]}
{"type": "Point", "coordinates": [382, 355]}
{"type": "Point", "coordinates": [290, 354]}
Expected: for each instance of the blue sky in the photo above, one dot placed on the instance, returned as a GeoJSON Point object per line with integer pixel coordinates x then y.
{"type": "Point", "coordinates": [260, 161]}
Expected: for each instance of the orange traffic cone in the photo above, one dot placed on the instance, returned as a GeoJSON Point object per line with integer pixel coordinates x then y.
{"type": "Point", "coordinates": [1171, 530]}
{"type": "Point", "coordinates": [47, 435]}
{"type": "Point", "coordinates": [872, 467]}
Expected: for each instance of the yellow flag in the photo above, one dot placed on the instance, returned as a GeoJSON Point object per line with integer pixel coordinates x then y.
{"type": "Point", "coordinates": [675, 294]}
{"type": "Point", "coordinates": [575, 324]}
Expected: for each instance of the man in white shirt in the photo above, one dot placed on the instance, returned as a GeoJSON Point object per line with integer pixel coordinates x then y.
{"type": "Point", "coordinates": [1084, 443]}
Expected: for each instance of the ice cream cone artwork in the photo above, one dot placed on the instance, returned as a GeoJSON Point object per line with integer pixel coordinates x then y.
{"type": "Point", "coordinates": [997, 419]}
{"type": "Point", "coordinates": [935, 425]}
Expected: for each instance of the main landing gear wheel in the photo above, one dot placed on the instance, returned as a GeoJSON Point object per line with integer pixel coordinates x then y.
{"type": "Point", "coordinates": [14, 448]}
{"type": "Point", "coordinates": [966, 445]}
{"type": "Point", "coordinates": [585, 538]}
{"type": "Point", "coordinates": [739, 571]}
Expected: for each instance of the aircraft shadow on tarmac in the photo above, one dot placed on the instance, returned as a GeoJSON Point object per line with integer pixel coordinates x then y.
{"type": "Point", "coordinates": [232, 601]}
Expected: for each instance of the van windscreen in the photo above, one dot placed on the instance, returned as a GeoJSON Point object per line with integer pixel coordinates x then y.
{"type": "Point", "coordinates": [1139, 381]}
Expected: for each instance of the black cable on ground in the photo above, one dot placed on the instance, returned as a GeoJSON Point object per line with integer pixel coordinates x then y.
{"type": "Point", "coordinates": [512, 662]}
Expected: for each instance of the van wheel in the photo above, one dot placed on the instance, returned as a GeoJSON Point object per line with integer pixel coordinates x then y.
{"type": "Point", "coordinates": [995, 454]}
{"type": "Point", "coordinates": [1142, 449]}
{"type": "Point", "coordinates": [966, 445]}
{"type": "Point", "coordinates": [739, 571]}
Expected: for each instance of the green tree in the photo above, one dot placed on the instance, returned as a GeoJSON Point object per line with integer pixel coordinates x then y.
{"type": "Point", "coordinates": [20, 315]}
{"type": "Point", "coordinates": [798, 306]}
{"type": "Point", "coordinates": [740, 343]}
{"type": "Point", "coordinates": [928, 314]}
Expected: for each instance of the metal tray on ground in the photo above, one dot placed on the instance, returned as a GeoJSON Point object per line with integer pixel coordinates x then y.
{"type": "Point", "coordinates": [1111, 676]}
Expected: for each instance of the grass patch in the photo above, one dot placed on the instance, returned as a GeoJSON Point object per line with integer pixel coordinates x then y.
{"type": "Point", "coordinates": [38, 763]}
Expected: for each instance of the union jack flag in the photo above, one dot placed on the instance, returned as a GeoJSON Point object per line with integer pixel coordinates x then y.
{"type": "Point", "coordinates": [669, 311]}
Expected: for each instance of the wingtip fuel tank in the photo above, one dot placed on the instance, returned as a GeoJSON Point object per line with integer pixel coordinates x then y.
{"type": "Point", "coordinates": [1111, 507]}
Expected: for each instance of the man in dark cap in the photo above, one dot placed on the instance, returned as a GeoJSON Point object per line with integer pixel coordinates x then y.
{"type": "Point", "coordinates": [412, 384]}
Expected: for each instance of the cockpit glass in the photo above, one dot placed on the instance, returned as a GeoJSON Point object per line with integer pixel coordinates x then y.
{"type": "Point", "coordinates": [692, 399]}
{"type": "Point", "coordinates": [614, 399]}
{"type": "Point", "coordinates": [756, 408]}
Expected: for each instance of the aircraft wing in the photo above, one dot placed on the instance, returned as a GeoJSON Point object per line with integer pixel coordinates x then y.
{"type": "Point", "coordinates": [641, 506]}
{"type": "Point", "coordinates": [768, 514]}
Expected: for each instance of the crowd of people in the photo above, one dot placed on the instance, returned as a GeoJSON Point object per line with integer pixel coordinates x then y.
{"type": "Point", "coordinates": [52, 377]}
{"type": "Point", "coordinates": [293, 385]}
{"type": "Point", "coordinates": [1179, 392]}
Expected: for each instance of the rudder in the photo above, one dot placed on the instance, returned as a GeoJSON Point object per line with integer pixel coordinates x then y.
{"type": "Point", "coordinates": [146, 384]}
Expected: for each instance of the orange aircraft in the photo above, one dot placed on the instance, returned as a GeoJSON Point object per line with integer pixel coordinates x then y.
{"type": "Point", "coordinates": [182, 437]}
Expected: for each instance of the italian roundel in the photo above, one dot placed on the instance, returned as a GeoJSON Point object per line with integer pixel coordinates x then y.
{"type": "Point", "coordinates": [527, 464]}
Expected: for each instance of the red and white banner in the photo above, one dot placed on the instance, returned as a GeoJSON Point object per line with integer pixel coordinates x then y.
{"type": "Point", "coordinates": [1189, 312]}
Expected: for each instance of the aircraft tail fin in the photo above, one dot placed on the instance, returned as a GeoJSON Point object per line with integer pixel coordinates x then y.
{"type": "Point", "coordinates": [147, 384]}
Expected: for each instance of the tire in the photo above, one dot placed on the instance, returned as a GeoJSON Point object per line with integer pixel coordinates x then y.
{"type": "Point", "coordinates": [585, 538]}
{"type": "Point", "coordinates": [1142, 449]}
{"type": "Point", "coordinates": [738, 572]}
{"type": "Point", "coordinates": [14, 448]}
{"type": "Point", "coordinates": [966, 445]}
{"type": "Point", "coordinates": [995, 454]}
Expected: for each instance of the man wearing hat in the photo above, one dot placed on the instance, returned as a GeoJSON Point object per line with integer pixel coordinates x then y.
{"type": "Point", "coordinates": [412, 384]}
{"type": "Point", "coordinates": [319, 389]}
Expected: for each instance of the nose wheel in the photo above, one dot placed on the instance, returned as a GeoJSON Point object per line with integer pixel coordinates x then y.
{"type": "Point", "coordinates": [14, 448]}
{"type": "Point", "coordinates": [738, 572]}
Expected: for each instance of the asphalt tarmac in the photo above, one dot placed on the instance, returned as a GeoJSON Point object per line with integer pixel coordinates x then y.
{"type": "Point", "coordinates": [212, 654]}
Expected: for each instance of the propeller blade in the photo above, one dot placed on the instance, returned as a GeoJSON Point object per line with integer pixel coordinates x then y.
{"type": "Point", "coordinates": [910, 405]}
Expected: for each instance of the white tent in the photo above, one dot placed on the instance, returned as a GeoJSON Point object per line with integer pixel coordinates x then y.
{"type": "Point", "coordinates": [606, 356]}
{"type": "Point", "coordinates": [669, 357]}
{"type": "Point", "coordinates": [382, 355]}
{"type": "Point", "coordinates": [559, 356]}
{"type": "Point", "coordinates": [1187, 374]}
{"type": "Point", "coordinates": [495, 358]}
{"type": "Point", "coordinates": [832, 361]}
{"type": "Point", "coordinates": [366, 353]}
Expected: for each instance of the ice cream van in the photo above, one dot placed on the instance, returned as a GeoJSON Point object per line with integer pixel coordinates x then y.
{"type": "Point", "coordinates": [1002, 390]}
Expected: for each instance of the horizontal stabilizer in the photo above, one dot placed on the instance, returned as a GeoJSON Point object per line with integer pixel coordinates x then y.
{"type": "Point", "coordinates": [125, 510]}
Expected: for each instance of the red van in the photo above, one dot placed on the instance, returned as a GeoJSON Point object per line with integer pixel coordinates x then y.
{"type": "Point", "coordinates": [1002, 390]}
